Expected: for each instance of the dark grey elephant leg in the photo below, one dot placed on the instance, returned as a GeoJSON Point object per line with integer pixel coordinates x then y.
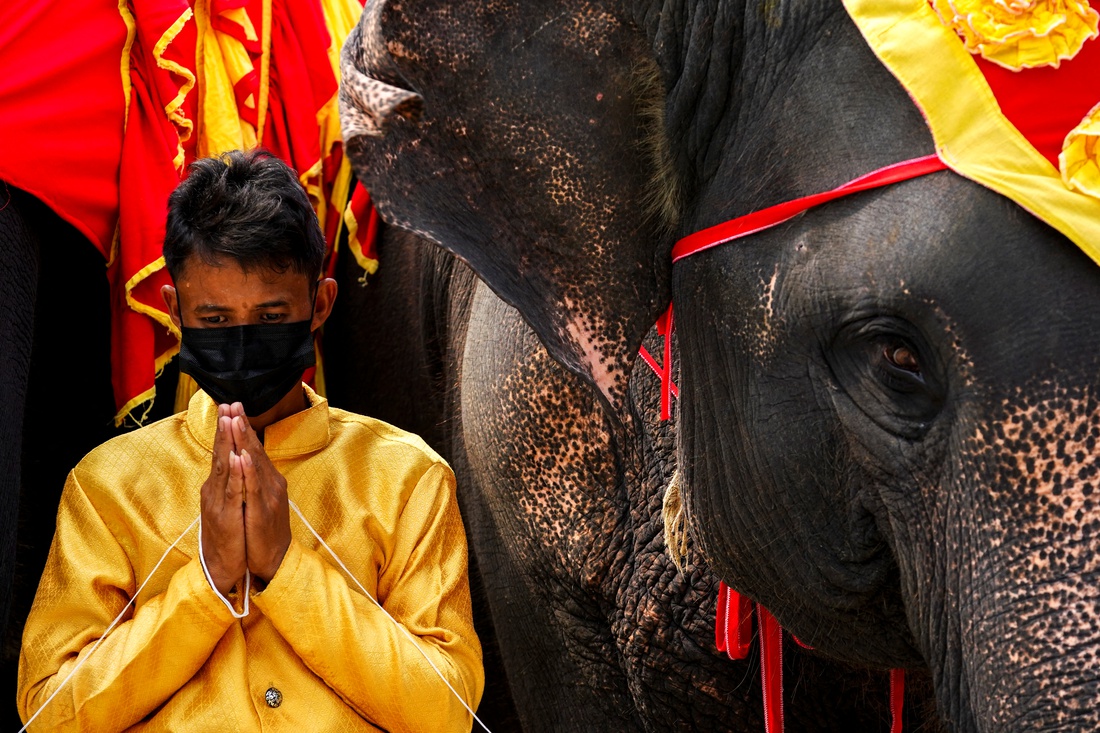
{"type": "Point", "coordinates": [18, 280]}
{"type": "Point", "coordinates": [384, 343]}
{"type": "Point", "coordinates": [390, 354]}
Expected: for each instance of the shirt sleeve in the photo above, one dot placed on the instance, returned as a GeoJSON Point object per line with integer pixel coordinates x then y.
{"type": "Point", "coordinates": [87, 582]}
{"type": "Point", "coordinates": [345, 639]}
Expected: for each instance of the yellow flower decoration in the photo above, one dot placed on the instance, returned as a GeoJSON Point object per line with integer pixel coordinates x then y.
{"type": "Point", "coordinates": [1021, 34]}
{"type": "Point", "coordinates": [1080, 156]}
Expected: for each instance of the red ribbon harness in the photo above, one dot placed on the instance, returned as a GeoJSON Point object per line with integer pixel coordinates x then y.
{"type": "Point", "coordinates": [733, 625]}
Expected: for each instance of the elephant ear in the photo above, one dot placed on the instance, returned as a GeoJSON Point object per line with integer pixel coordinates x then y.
{"type": "Point", "coordinates": [522, 138]}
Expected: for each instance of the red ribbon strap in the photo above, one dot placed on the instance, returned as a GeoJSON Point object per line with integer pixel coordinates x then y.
{"type": "Point", "coordinates": [733, 627]}
{"type": "Point", "coordinates": [771, 669]}
{"type": "Point", "coordinates": [767, 218]}
{"type": "Point", "coordinates": [897, 699]}
{"type": "Point", "coordinates": [668, 387]}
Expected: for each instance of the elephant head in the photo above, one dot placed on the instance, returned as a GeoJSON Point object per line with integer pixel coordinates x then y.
{"type": "Point", "coordinates": [887, 416]}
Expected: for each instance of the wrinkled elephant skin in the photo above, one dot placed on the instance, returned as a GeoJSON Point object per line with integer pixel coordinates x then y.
{"type": "Point", "coordinates": [888, 420]}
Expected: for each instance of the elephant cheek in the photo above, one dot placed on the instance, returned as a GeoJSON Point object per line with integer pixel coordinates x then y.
{"type": "Point", "coordinates": [1031, 635]}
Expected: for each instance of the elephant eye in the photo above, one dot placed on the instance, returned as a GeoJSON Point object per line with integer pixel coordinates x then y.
{"type": "Point", "coordinates": [902, 357]}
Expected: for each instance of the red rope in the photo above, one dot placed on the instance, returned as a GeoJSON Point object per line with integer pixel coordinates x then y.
{"type": "Point", "coordinates": [767, 218]}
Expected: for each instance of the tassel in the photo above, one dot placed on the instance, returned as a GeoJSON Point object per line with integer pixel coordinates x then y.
{"type": "Point", "coordinates": [672, 512]}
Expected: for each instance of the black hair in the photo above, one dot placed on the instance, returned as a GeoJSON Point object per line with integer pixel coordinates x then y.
{"type": "Point", "coordinates": [249, 207]}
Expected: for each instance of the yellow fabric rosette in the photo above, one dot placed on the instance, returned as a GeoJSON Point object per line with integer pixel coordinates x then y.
{"type": "Point", "coordinates": [1080, 156]}
{"type": "Point", "coordinates": [1021, 34]}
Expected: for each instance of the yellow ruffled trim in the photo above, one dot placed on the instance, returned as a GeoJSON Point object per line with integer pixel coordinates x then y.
{"type": "Point", "coordinates": [144, 401]}
{"type": "Point", "coordinates": [156, 314]}
{"type": "Point", "coordinates": [265, 70]}
{"type": "Point", "coordinates": [971, 133]}
{"type": "Point", "coordinates": [131, 33]}
{"type": "Point", "coordinates": [341, 188]}
{"type": "Point", "coordinates": [369, 264]}
{"type": "Point", "coordinates": [1021, 34]}
{"type": "Point", "coordinates": [172, 109]}
{"type": "Point", "coordinates": [161, 360]}
{"type": "Point", "coordinates": [1080, 156]}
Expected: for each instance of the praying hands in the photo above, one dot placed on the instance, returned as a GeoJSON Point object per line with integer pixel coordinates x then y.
{"type": "Point", "coordinates": [245, 510]}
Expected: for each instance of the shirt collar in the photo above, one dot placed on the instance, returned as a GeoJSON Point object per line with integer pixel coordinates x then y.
{"type": "Point", "coordinates": [303, 432]}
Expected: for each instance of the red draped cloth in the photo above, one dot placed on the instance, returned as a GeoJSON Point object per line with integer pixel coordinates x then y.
{"type": "Point", "coordinates": [99, 116]}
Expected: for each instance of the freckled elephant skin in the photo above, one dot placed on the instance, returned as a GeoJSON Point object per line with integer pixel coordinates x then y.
{"type": "Point", "coordinates": [981, 481]}
{"type": "Point", "coordinates": [849, 379]}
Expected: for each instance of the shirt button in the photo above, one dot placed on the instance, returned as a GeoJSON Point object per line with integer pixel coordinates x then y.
{"type": "Point", "coordinates": [274, 697]}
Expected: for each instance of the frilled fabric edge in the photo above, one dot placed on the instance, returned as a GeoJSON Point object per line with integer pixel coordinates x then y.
{"type": "Point", "coordinates": [1080, 157]}
{"type": "Point", "coordinates": [1018, 34]}
{"type": "Point", "coordinates": [136, 406]}
{"type": "Point", "coordinates": [971, 133]}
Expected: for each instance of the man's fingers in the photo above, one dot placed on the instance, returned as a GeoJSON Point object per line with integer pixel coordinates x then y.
{"type": "Point", "coordinates": [247, 439]}
{"type": "Point", "coordinates": [223, 446]}
{"type": "Point", "coordinates": [234, 487]}
{"type": "Point", "coordinates": [248, 470]}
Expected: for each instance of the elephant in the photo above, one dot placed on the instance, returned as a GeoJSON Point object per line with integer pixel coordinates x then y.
{"type": "Point", "coordinates": [886, 426]}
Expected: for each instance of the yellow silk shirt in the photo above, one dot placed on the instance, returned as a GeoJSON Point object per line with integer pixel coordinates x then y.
{"type": "Point", "coordinates": [180, 661]}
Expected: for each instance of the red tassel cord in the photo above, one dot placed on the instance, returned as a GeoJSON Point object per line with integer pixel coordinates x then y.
{"type": "Point", "coordinates": [897, 699]}
{"type": "Point", "coordinates": [771, 669]}
{"type": "Point", "coordinates": [733, 629]}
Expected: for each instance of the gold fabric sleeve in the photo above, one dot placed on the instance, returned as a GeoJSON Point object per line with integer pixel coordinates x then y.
{"type": "Point", "coordinates": [128, 676]}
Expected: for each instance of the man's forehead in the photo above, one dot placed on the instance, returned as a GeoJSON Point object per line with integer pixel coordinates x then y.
{"type": "Point", "coordinates": [226, 282]}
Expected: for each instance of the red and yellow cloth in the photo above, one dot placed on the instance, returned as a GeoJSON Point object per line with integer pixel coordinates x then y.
{"type": "Point", "coordinates": [1011, 92]}
{"type": "Point", "coordinates": [104, 104]}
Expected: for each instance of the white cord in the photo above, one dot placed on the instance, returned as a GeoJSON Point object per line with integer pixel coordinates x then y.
{"type": "Point", "coordinates": [245, 613]}
{"type": "Point", "coordinates": [98, 641]}
{"type": "Point", "coordinates": [391, 618]}
{"type": "Point", "coordinates": [218, 593]}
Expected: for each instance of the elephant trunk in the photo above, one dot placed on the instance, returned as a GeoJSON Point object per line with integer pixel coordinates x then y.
{"type": "Point", "coordinates": [1032, 659]}
{"type": "Point", "coordinates": [1023, 559]}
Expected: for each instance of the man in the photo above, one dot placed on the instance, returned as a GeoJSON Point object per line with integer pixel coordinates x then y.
{"type": "Point", "coordinates": [248, 623]}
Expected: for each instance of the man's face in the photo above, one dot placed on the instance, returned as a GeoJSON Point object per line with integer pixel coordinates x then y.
{"type": "Point", "coordinates": [221, 294]}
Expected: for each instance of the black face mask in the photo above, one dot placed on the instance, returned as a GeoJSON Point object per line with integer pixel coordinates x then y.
{"type": "Point", "coordinates": [255, 365]}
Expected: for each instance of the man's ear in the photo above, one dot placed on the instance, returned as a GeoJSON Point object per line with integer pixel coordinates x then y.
{"type": "Point", "coordinates": [322, 302]}
{"type": "Point", "coordinates": [169, 294]}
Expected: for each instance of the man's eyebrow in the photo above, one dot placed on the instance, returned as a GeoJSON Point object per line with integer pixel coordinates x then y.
{"type": "Point", "coordinates": [211, 308]}
{"type": "Point", "coordinates": [272, 304]}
